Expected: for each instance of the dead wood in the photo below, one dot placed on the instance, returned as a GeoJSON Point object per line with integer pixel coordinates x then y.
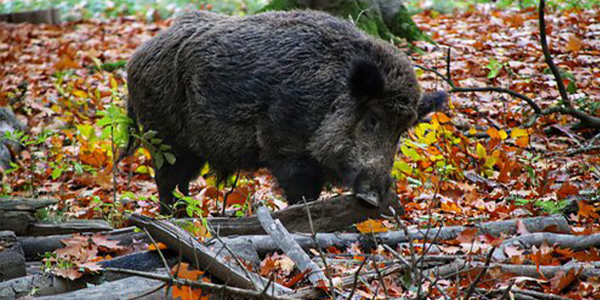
{"type": "Point", "coordinates": [205, 286]}
{"type": "Point", "coordinates": [127, 288]}
{"type": "Point", "coordinates": [12, 261]}
{"type": "Point", "coordinates": [43, 228]}
{"type": "Point", "coordinates": [574, 242]}
{"type": "Point", "coordinates": [335, 214]}
{"type": "Point", "coordinates": [286, 242]}
{"type": "Point", "coordinates": [201, 256]}
{"type": "Point", "coordinates": [263, 244]}
{"type": "Point", "coordinates": [460, 265]}
{"type": "Point", "coordinates": [38, 285]}
{"type": "Point", "coordinates": [18, 213]}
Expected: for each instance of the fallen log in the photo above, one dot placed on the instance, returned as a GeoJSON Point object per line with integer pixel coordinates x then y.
{"type": "Point", "coordinates": [202, 257]}
{"type": "Point", "coordinates": [146, 261]}
{"type": "Point", "coordinates": [37, 285]}
{"type": "Point", "coordinates": [35, 246]}
{"type": "Point", "coordinates": [43, 228]}
{"type": "Point", "coordinates": [127, 288]}
{"type": "Point", "coordinates": [335, 214]}
{"type": "Point", "coordinates": [460, 265]}
{"type": "Point", "coordinates": [574, 242]}
{"type": "Point", "coordinates": [18, 213]}
{"type": "Point", "coordinates": [12, 261]}
{"type": "Point", "coordinates": [263, 244]}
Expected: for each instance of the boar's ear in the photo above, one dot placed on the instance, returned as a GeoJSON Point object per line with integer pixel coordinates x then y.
{"type": "Point", "coordinates": [365, 79]}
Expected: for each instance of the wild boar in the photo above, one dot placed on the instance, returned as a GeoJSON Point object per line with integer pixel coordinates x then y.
{"type": "Point", "coordinates": [305, 94]}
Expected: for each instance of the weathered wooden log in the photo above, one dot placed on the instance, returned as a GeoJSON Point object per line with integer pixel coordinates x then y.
{"type": "Point", "coordinates": [43, 228]}
{"type": "Point", "coordinates": [47, 16]}
{"type": "Point", "coordinates": [146, 261]}
{"type": "Point", "coordinates": [331, 215]}
{"type": "Point", "coordinates": [202, 257]}
{"type": "Point", "coordinates": [37, 285]}
{"type": "Point", "coordinates": [12, 261]}
{"type": "Point", "coordinates": [263, 244]}
{"type": "Point", "coordinates": [18, 213]}
{"type": "Point", "coordinates": [127, 288]}
{"type": "Point", "coordinates": [34, 246]}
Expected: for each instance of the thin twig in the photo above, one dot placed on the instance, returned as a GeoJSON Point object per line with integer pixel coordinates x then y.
{"type": "Point", "coordinates": [475, 282]}
{"type": "Point", "coordinates": [356, 275]}
{"type": "Point", "coordinates": [150, 292]}
{"type": "Point", "coordinates": [314, 237]}
{"type": "Point", "coordinates": [229, 192]}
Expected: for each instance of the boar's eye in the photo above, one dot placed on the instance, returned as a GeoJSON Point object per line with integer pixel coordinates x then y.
{"type": "Point", "coordinates": [371, 122]}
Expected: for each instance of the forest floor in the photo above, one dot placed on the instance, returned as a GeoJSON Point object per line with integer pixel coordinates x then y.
{"type": "Point", "coordinates": [476, 162]}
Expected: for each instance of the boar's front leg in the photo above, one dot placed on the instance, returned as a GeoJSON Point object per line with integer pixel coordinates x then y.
{"type": "Point", "coordinates": [300, 177]}
{"type": "Point", "coordinates": [186, 168]}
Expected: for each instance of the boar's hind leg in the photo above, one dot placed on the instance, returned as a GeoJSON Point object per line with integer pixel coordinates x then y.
{"type": "Point", "coordinates": [186, 168]}
{"type": "Point", "coordinates": [299, 177]}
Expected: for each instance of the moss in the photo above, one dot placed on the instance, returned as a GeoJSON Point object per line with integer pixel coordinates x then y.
{"type": "Point", "coordinates": [367, 16]}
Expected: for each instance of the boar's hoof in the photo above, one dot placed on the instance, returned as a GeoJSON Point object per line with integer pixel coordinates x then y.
{"type": "Point", "coordinates": [371, 199]}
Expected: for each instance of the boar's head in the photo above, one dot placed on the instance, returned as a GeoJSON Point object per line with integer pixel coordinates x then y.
{"type": "Point", "coordinates": [358, 138]}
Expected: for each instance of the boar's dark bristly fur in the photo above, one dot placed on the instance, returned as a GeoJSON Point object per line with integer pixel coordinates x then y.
{"type": "Point", "coordinates": [305, 94]}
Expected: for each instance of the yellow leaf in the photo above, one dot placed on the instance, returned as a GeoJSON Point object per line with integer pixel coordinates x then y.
{"type": "Point", "coordinates": [502, 134]}
{"type": "Point", "coordinates": [430, 138]}
{"type": "Point", "coordinates": [371, 226]}
{"type": "Point", "coordinates": [113, 83]}
{"type": "Point", "coordinates": [403, 167]}
{"type": "Point", "coordinates": [481, 151]}
{"type": "Point", "coordinates": [518, 132]}
{"type": "Point", "coordinates": [472, 131]}
{"type": "Point", "coordinates": [80, 93]}
{"type": "Point", "coordinates": [490, 161]}
{"type": "Point", "coordinates": [410, 152]}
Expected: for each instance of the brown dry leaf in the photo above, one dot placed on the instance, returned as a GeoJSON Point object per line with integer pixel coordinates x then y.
{"type": "Point", "coordinates": [467, 236]}
{"type": "Point", "coordinates": [562, 280]}
{"type": "Point", "coordinates": [71, 273]}
{"type": "Point", "coordinates": [574, 43]}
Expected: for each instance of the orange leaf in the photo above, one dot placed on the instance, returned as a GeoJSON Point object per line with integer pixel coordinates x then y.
{"type": "Point", "coordinates": [586, 210]}
{"type": "Point", "coordinates": [186, 292]}
{"type": "Point", "coordinates": [493, 133]}
{"type": "Point", "coordinates": [161, 246]}
{"type": "Point", "coordinates": [441, 117]}
{"type": "Point", "coordinates": [562, 280]}
{"type": "Point", "coordinates": [522, 141]}
{"type": "Point", "coordinates": [290, 283]}
{"type": "Point", "coordinates": [371, 226]}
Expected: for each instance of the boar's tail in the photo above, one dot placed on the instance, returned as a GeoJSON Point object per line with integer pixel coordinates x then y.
{"type": "Point", "coordinates": [431, 102]}
{"type": "Point", "coordinates": [133, 142]}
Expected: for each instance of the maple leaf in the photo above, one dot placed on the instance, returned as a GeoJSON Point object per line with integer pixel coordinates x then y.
{"type": "Point", "coordinates": [71, 273]}
{"type": "Point", "coordinates": [186, 292]}
{"type": "Point", "coordinates": [586, 210]}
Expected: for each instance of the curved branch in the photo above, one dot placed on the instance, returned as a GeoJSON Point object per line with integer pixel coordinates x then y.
{"type": "Point", "coordinates": [553, 68]}
{"type": "Point", "coordinates": [588, 120]}
{"type": "Point", "coordinates": [529, 101]}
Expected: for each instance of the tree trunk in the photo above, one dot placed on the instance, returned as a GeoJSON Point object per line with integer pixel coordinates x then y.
{"type": "Point", "coordinates": [387, 19]}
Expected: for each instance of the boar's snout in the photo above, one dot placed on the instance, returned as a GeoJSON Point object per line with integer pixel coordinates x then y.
{"type": "Point", "coordinates": [372, 189]}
